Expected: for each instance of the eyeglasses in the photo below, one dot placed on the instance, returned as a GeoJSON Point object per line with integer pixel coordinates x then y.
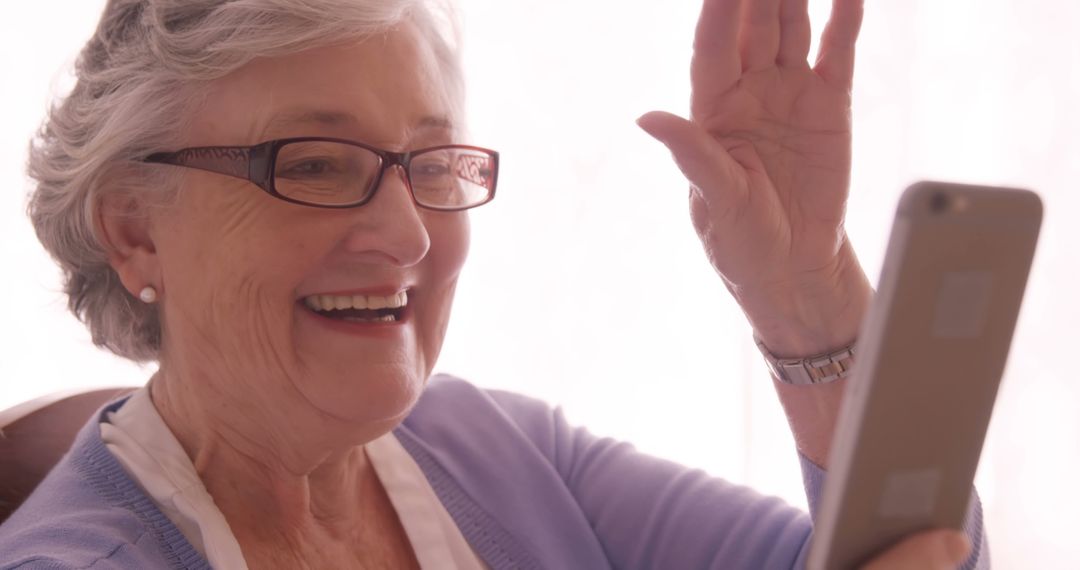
{"type": "Point", "coordinates": [338, 173]}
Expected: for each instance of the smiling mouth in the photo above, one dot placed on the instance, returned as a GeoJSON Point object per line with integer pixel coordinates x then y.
{"type": "Point", "coordinates": [359, 308]}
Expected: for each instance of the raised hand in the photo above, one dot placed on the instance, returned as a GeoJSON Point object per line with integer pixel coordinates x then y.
{"type": "Point", "coordinates": [767, 151]}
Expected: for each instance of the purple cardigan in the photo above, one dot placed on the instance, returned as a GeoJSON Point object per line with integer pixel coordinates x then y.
{"type": "Point", "coordinates": [525, 488]}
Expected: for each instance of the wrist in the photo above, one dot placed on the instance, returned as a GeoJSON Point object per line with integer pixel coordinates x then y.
{"type": "Point", "coordinates": [810, 316]}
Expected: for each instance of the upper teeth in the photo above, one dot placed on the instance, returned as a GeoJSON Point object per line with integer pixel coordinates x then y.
{"type": "Point", "coordinates": [332, 302]}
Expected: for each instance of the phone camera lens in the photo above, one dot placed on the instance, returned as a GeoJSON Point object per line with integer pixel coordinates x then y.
{"type": "Point", "coordinates": [939, 203]}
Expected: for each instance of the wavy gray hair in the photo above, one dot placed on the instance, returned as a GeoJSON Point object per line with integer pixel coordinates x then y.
{"type": "Point", "coordinates": [138, 77]}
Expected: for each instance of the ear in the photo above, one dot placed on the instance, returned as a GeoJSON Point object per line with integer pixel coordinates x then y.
{"type": "Point", "coordinates": [123, 223]}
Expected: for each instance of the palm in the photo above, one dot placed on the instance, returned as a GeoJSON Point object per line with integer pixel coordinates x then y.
{"type": "Point", "coordinates": [789, 138]}
{"type": "Point", "coordinates": [768, 199]}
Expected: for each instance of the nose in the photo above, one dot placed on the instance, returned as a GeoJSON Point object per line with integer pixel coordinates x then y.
{"type": "Point", "coordinates": [389, 228]}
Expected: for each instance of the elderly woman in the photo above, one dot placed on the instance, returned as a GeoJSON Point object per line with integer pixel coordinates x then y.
{"type": "Point", "coordinates": [268, 198]}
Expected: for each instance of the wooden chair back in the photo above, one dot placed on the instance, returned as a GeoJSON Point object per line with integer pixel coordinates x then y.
{"type": "Point", "coordinates": [34, 436]}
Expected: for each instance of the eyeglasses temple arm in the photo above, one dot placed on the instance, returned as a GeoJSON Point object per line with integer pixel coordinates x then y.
{"type": "Point", "coordinates": [248, 163]}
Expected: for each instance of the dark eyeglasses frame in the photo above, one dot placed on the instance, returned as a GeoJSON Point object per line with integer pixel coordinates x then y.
{"type": "Point", "coordinates": [256, 164]}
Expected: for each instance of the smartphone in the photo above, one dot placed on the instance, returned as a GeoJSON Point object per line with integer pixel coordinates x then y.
{"type": "Point", "coordinates": [930, 356]}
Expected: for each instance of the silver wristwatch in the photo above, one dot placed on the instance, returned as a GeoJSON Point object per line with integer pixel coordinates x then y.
{"type": "Point", "coordinates": [813, 370]}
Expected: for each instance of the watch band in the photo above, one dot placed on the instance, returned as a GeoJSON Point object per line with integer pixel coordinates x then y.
{"type": "Point", "coordinates": [819, 369]}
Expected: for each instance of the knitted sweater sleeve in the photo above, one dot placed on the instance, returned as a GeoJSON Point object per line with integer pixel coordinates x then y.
{"type": "Point", "coordinates": [652, 513]}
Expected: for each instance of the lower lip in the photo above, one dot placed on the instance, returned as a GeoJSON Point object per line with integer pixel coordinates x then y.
{"type": "Point", "coordinates": [369, 329]}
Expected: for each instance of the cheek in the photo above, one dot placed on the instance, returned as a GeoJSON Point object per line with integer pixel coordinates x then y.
{"type": "Point", "coordinates": [449, 249]}
{"type": "Point", "coordinates": [224, 253]}
{"type": "Point", "coordinates": [450, 235]}
{"type": "Point", "coordinates": [228, 279]}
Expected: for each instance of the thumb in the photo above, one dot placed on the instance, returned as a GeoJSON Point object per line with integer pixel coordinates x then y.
{"type": "Point", "coordinates": [700, 157]}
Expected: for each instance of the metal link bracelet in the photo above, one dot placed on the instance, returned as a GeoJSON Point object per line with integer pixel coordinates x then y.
{"type": "Point", "coordinates": [818, 369]}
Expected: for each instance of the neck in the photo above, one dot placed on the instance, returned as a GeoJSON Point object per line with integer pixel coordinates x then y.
{"type": "Point", "coordinates": [282, 471]}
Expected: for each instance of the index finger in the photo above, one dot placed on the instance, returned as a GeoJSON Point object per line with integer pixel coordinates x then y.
{"type": "Point", "coordinates": [716, 64]}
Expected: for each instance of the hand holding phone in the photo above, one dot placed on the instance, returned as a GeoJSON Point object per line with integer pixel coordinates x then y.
{"type": "Point", "coordinates": [931, 353]}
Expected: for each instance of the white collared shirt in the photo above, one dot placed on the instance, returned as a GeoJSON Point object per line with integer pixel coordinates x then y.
{"type": "Point", "coordinates": [153, 457]}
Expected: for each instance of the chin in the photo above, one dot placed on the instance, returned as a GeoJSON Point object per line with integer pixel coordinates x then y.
{"type": "Point", "coordinates": [373, 398]}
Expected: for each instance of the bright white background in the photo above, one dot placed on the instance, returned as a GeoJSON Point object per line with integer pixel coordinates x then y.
{"type": "Point", "coordinates": [586, 285]}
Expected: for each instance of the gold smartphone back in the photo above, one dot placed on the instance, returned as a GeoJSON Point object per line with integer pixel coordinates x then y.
{"type": "Point", "coordinates": [931, 353]}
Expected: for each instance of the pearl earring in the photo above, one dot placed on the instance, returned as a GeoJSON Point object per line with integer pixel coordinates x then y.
{"type": "Point", "coordinates": [148, 294]}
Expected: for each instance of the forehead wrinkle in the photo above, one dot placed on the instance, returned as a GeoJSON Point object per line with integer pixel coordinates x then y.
{"type": "Point", "coordinates": [326, 118]}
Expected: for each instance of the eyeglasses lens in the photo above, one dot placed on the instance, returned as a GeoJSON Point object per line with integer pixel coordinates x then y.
{"type": "Point", "coordinates": [324, 172]}
{"type": "Point", "coordinates": [452, 177]}
{"type": "Point", "coordinates": [332, 173]}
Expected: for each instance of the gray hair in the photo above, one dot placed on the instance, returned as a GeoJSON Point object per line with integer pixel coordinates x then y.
{"type": "Point", "coordinates": [138, 78]}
